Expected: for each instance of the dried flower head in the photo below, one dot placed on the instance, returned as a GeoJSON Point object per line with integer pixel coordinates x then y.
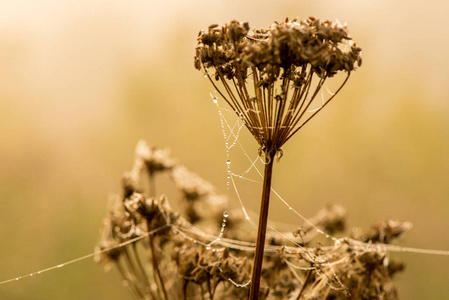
{"type": "Point", "coordinates": [288, 64]}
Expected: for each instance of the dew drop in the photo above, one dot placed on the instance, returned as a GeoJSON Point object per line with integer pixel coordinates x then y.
{"type": "Point", "coordinates": [208, 248]}
{"type": "Point", "coordinates": [225, 214]}
{"type": "Point", "coordinates": [228, 162]}
{"type": "Point", "coordinates": [215, 100]}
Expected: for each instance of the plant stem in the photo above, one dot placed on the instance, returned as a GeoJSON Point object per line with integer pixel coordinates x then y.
{"type": "Point", "coordinates": [155, 261]}
{"type": "Point", "coordinates": [309, 272]}
{"type": "Point", "coordinates": [261, 232]}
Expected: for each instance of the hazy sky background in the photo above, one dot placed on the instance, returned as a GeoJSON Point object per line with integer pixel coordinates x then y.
{"type": "Point", "coordinates": [82, 81]}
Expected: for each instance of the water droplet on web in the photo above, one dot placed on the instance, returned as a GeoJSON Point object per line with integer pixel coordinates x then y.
{"type": "Point", "coordinates": [228, 162]}
{"type": "Point", "coordinates": [225, 214]}
{"type": "Point", "coordinates": [207, 247]}
{"type": "Point", "coordinates": [215, 100]}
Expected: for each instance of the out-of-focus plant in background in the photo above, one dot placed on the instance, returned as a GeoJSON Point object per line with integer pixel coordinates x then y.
{"type": "Point", "coordinates": [81, 82]}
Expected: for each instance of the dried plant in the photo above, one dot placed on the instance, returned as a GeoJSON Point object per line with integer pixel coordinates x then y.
{"type": "Point", "coordinates": [270, 78]}
{"type": "Point", "coordinates": [203, 251]}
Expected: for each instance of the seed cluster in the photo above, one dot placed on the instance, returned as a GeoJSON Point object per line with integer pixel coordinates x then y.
{"type": "Point", "coordinates": [282, 61]}
{"type": "Point", "coordinates": [285, 48]}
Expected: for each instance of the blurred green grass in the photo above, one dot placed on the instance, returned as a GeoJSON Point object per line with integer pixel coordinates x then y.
{"type": "Point", "coordinates": [80, 84]}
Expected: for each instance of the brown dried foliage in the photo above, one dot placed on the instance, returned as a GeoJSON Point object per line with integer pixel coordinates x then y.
{"type": "Point", "coordinates": [177, 256]}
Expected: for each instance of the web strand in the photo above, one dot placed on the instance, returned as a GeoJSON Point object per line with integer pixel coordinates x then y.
{"type": "Point", "coordinates": [81, 258]}
{"type": "Point", "coordinates": [391, 248]}
{"type": "Point", "coordinates": [219, 242]}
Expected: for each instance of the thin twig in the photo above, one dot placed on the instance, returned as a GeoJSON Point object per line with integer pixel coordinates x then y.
{"type": "Point", "coordinates": [309, 273]}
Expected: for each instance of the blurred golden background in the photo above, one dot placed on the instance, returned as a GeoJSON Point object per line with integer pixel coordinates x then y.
{"type": "Point", "coordinates": [82, 81]}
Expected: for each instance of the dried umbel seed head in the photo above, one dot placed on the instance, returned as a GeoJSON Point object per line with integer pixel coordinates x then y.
{"type": "Point", "coordinates": [286, 46]}
{"type": "Point", "coordinates": [282, 61]}
{"type": "Point", "coordinates": [155, 159]}
{"type": "Point", "coordinates": [385, 232]}
{"type": "Point", "coordinates": [192, 186]}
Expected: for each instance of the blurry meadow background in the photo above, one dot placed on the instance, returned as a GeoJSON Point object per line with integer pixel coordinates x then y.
{"type": "Point", "coordinates": [82, 81]}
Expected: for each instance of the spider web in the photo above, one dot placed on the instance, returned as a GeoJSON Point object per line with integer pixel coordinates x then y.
{"type": "Point", "coordinates": [231, 131]}
{"type": "Point", "coordinates": [231, 134]}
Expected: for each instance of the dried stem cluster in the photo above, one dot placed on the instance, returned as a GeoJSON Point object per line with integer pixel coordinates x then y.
{"type": "Point", "coordinates": [201, 251]}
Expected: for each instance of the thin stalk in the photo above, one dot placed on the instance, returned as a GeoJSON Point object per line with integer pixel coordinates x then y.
{"type": "Point", "coordinates": [184, 289]}
{"type": "Point", "coordinates": [209, 287]}
{"type": "Point", "coordinates": [328, 100]}
{"type": "Point", "coordinates": [152, 182]}
{"type": "Point", "coordinates": [133, 274]}
{"type": "Point", "coordinates": [309, 273]}
{"type": "Point", "coordinates": [129, 281]}
{"type": "Point", "coordinates": [261, 232]}
{"type": "Point", "coordinates": [142, 270]}
{"type": "Point", "coordinates": [156, 267]}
